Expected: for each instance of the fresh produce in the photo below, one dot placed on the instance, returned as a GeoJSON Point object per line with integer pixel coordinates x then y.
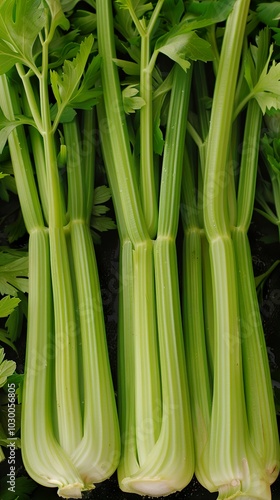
{"type": "Point", "coordinates": [232, 400]}
{"type": "Point", "coordinates": [178, 101]}
{"type": "Point", "coordinates": [69, 427]}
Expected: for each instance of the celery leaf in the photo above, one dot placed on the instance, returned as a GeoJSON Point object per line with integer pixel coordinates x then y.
{"type": "Point", "coordinates": [7, 368]}
{"type": "Point", "coordinates": [13, 273]}
{"type": "Point", "coordinates": [267, 90]}
{"type": "Point", "coordinates": [73, 86]}
{"type": "Point", "coordinates": [262, 75]}
{"type": "Point", "coordinates": [20, 25]}
{"type": "Point", "coordinates": [172, 11]}
{"type": "Point", "coordinates": [102, 194]}
{"type": "Point", "coordinates": [57, 17]}
{"type": "Point", "coordinates": [269, 13]}
{"type": "Point", "coordinates": [7, 305]}
{"type": "Point", "coordinates": [5, 339]}
{"type": "Point", "coordinates": [129, 67]}
{"type": "Point", "coordinates": [184, 47]}
{"type": "Point", "coordinates": [131, 101]}
{"type": "Point", "coordinates": [6, 126]}
{"type": "Point", "coordinates": [140, 7]}
{"type": "Point", "coordinates": [100, 222]}
{"type": "Point", "coordinates": [208, 12]}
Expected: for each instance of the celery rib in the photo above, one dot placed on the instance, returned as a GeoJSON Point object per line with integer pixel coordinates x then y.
{"type": "Point", "coordinates": [44, 458]}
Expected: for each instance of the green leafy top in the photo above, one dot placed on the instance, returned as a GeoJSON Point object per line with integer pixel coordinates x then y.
{"type": "Point", "coordinates": [269, 13]}
{"type": "Point", "coordinates": [7, 368]}
{"type": "Point", "coordinates": [262, 75]}
{"type": "Point", "coordinates": [99, 221]}
{"type": "Point", "coordinates": [13, 272]}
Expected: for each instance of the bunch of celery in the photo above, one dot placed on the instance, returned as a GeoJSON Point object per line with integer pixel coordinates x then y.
{"type": "Point", "coordinates": [69, 431]}
{"type": "Point", "coordinates": [234, 420]}
{"type": "Point", "coordinates": [143, 153]}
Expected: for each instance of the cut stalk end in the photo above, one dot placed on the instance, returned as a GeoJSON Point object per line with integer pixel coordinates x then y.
{"type": "Point", "coordinates": [73, 490]}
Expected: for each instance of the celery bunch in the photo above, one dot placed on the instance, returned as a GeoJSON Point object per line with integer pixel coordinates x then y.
{"type": "Point", "coordinates": [234, 418]}
{"type": "Point", "coordinates": [69, 430]}
{"type": "Point", "coordinates": [144, 168]}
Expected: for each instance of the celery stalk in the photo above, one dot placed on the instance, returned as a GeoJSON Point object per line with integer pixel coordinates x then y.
{"type": "Point", "coordinates": [97, 454]}
{"type": "Point", "coordinates": [194, 320]}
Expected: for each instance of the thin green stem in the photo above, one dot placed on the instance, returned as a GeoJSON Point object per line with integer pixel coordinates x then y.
{"type": "Point", "coordinates": [201, 77]}
{"type": "Point", "coordinates": [194, 135]}
{"type": "Point", "coordinates": [76, 194]}
{"type": "Point", "coordinates": [216, 218]}
{"type": "Point", "coordinates": [249, 166]}
{"type": "Point", "coordinates": [170, 189]}
{"type": "Point", "coordinates": [23, 169]}
{"type": "Point", "coordinates": [140, 28]}
{"type": "Point", "coordinates": [242, 105]}
{"type": "Point", "coordinates": [56, 205]}
{"type": "Point", "coordinates": [109, 159]}
{"type": "Point", "coordinates": [147, 176]}
{"type": "Point", "coordinates": [154, 17]}
{"type": "Point", "coordinates": [124, 179]}
{"type": "Point", "coordinates": [30, 96]}
{"type": "Point", "coordinates": [88, 155]}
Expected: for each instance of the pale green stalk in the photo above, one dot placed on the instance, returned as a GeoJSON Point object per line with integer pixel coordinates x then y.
{"type": "Point", "coordinates": [24, 177]}
{"type": "Point", "coordinates": [115, 124]}
{"type": "Point", "coordinates": [257, 379]}
{"type": "Point", "coordinates": [45, 460]}
{"type": "Point", "coordinates": [228, 452]}
{"type": "Point", "coordinates": [194, 325]}
{"type": "Point", "coordinates": [97, 454]}
{"type": "Point", "coordinates": [147, 171]}
{"type": "Point", "coordinates": [66, 362]}
{"type": "Point", "coordinates": [126, 350]}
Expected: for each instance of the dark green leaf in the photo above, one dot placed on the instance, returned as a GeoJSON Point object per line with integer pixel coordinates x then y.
{"type": "Point", "coordinates": [7, 305]}
{"type": "Point", "coordinates": [7, 367]}
{"type": "Point", "coordinates": [57, 17]}
{"type": "Point", "coordinates": [158, 138]}
{"type": "Point", "coordinates": [13, 272]}
{"type": "Point", "coordinates": [184, 47]}
{"type": "Point", "coordinates": [5, 339]}
{"type": "Point", "coordinates": [140, 7]}
{"type": "Point", "coordinates": [84, 21]}
{"type": "Point", "coordinates": [14, 322]}
{"type": "Point", "coordinates": [20, 25]}
{"type": "Point", "coordinates": [207, 12]}
{"type": "Point", "coordinates": [24, 486]}
{"type": "Point", "coordinates": [269, 13]}
{"type": "Point", "coordinates": [172, 11]}
{"type": "Point", "coordinates": [67, 85]}
{"type": "Point", "coordinates": [15, 229]}
{"type": "Point", "coordinates": [129, 67]}
{"type": "Point", "coordinates": [6, 126]}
